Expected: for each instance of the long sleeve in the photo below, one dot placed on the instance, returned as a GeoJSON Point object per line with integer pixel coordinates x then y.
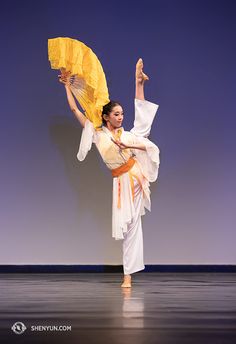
{"type": "Point", "coordinates": [87, 138]}
{"type": "Point", "coordinates": [149, 160]}
{"type": "Point", "coordinates": [145, 112]}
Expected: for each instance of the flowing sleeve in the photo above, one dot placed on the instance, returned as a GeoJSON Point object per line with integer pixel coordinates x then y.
{"type": "Point", "coordinates": [149, 160]}
{"type": "Point", "coordinates": [145, 112]}
{"type": "Point", "coordinates": [87, 138]}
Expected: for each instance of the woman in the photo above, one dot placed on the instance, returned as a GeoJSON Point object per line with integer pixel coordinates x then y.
{"type": "Point", "coordinates": [134, 162]}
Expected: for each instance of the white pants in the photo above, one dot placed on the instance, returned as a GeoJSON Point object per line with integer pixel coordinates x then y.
{"type": "Point", "coordinates": [133, 238]}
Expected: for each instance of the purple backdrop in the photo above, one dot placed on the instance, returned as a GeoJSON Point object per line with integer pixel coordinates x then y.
{"type": "Point", "coordinates": [55, 209]}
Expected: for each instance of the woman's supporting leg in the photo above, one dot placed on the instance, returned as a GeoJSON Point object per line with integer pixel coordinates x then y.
{"type": "Point", "coordinates": [133, 241]}
{"type": "Point", "coordinates": [133, 248]}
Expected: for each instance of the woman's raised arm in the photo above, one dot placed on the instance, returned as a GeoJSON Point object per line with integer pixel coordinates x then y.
{"type": "Point", "coordinates": [78, 114]}
{"type": "Point", "coordinates": [64, 78]}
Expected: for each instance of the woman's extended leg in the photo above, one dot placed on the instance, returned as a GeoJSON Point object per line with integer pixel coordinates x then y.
{"type": "Point", "coordinates": [140, 78]}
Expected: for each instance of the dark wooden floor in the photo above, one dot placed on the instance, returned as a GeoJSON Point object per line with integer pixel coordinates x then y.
{"type": "Point", "coordinates": [162, 308]}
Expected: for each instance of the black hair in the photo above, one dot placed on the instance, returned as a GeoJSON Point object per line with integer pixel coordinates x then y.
{"type": "Point", "coordinates": [108, 109]}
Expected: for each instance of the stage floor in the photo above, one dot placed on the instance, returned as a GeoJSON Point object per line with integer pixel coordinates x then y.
{"type": "Point", "coordinates": [161, 308]}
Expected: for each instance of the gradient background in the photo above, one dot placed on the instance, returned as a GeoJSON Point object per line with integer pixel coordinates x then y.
{"type": "Point", "coordinates": [57, 210]}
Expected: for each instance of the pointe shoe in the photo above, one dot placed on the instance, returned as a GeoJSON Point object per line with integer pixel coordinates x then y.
{"type": "Point", "coordinates": [127, 282]}
{"type": "Point", "coordinates": [140, 76]}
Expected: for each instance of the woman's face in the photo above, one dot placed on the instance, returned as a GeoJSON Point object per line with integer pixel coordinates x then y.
{"type": "Point", "coordinates": [115, 117]}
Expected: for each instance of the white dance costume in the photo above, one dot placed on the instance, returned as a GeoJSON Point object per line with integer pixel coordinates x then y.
{"type": "Point", "coordinates": [131, 193]}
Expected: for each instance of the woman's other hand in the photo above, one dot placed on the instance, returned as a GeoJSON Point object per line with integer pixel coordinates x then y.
{"type": "Point", "coordinates": [120, 144]}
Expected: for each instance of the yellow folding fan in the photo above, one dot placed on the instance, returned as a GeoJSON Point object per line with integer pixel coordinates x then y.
{"type": "Point", "coordinates": [88, 81]}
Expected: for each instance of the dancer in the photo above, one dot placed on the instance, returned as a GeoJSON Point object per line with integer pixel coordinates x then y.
{"type": "Point", "coordinates": [133, 160]}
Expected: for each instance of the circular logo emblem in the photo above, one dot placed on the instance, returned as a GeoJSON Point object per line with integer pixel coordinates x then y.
{"type": "Point", "coordinates": [18, 327]}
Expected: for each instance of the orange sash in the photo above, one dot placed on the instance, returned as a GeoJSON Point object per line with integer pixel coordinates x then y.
{"type": "Point", "coordinates": [116, 172]}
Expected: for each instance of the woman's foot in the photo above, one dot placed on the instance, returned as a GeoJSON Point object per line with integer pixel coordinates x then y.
{"type": "Point", "coordinates": [127, 282]}
{"type": "Point", "coordinates": [140, 76]}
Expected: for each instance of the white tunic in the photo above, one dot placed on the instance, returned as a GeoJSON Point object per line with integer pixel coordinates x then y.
{"type": "Point", "coordinates": [145, 169]}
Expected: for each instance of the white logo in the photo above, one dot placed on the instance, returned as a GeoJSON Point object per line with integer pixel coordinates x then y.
{"type": "Point", "coordinates": [18, 327]}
